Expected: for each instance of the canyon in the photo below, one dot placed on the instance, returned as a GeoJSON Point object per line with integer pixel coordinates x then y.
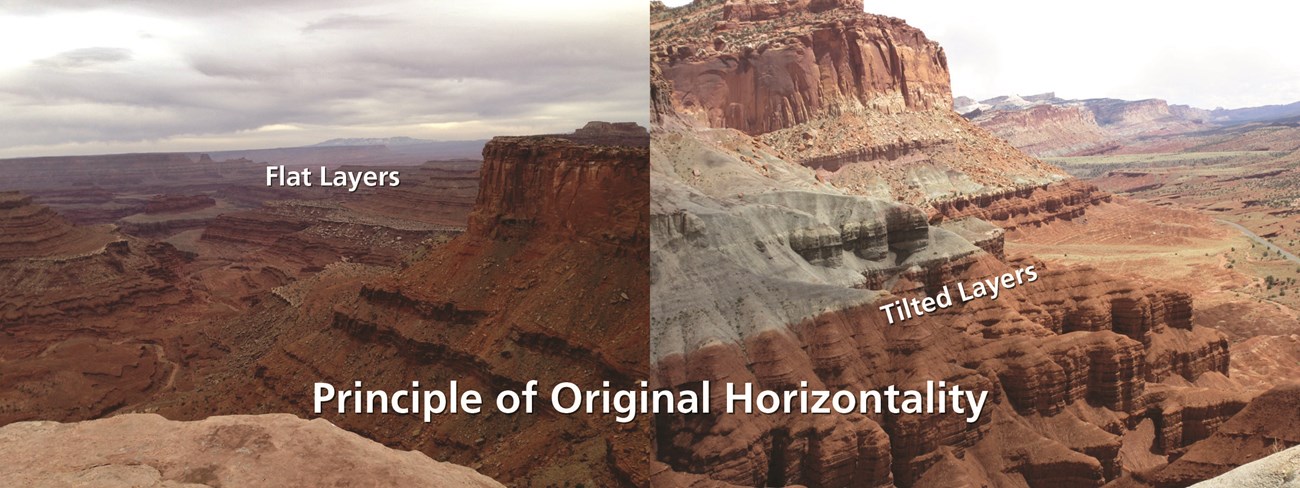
{"type": "Point", "coordinates": [807, 168]}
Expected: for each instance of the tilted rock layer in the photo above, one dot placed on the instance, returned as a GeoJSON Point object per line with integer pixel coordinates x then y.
{"type": "Point", "coordinates": [798, 183]}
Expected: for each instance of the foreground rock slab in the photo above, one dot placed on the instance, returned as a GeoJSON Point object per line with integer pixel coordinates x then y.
{"type": "Point", "coordinates": [146, 450]}
{"type": "Point", "coordinates": [1280, 470]}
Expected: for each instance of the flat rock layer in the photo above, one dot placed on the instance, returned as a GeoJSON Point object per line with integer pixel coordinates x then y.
{"type": "Point", "coordinates": [28, 230]}
{"type": "Point", "coordinates": [145, 450]}
{"type": "Point", "coordinates": [548, 282]}
{"type": "Point", "coordinates": [438, 193]}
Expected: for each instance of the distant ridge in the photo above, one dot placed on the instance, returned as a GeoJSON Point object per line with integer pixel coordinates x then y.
{"type": "Point", "coordinates": [384, 141]}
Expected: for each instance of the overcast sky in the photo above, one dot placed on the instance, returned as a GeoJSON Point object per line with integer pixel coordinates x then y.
{"type": "Point", "coordinates": [1208, 54]}
{"type": "Point", "coordinates": [190, 75]}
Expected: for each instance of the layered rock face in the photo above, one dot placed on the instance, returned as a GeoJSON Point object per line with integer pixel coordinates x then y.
{"type": "Point", "coordinates": [843, 63]}
{"type": "Point", "coordinates": [56, 270]}
{"type": "Point", "coordinates": [549, 282]}
{"type": "Point", "coordinates": [779, 227]}
{"type": "Point", "coordinates": [144, 450]}
{"type": "Point", "coordinates": [864, 99]}
{"type": "Point", "coordinates": [1047, 130]}
{"type": "Point", "coordinates": [1025, 208]}
{"type": "Point", "coordinates": [28, 230]}
{"type": "Point", "coordinates": [378, 227]}
{"type": "Point", "coordinates": [1265, 426]}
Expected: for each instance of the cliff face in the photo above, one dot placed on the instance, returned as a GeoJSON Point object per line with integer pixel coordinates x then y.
{"type": "Point", "coordinates": [1048, 130]}
{"type": "Point", "coordinates": [864, 99]}
{"type": "Point", "coordinates": [842, 63]}
{"type": "Point", "coordinates": [549, 282]}
{"type": "Point", "coordinates": [267, 450]}
{"type": "Point", "coordinates": [1265, 426]}
{"type": "Point", "coordinates": [533, 184]}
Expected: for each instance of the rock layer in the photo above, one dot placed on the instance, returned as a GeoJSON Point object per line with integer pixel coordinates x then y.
{"type": "Point", "coordinates": [28, 230]}
{"type": "Point", "coordinates": [1265, 426]}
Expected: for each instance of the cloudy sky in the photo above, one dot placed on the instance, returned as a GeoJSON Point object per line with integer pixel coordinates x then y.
{"type": "Point", "coordinates": [1207, 54]}
{"type": "Point", "coordinates": [188, 75]}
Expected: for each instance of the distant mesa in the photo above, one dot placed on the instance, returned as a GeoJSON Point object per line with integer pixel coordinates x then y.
{"type": "Point", "coordinates": [610, 134]}
{"type": "Point", "coordinates": [28, 230]}
{"type": "Point", "coordinates": [373, 141]}
{"type": "Point", "coordinates": [1045, 125]}
{"type": "Point", "coordinates": [598, 128]}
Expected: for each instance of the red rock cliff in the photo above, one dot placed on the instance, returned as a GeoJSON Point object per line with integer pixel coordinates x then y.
{"type": "Point", "coordinates": [536, 183]}
{"type": "Point", "coordinates": [832, 59]}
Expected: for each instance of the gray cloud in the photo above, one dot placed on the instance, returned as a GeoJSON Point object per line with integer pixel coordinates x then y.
{"type": "Point", "coordinates": [433, 72]}
{"type": "Point", "coordinates": [349, 21]}
{"type": "Point", "coordinates": [85, 57]}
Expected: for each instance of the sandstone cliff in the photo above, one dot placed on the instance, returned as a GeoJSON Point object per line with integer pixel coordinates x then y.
{"type": "Point", "coordinates": [268, 450]}
{"type": "Point", "coordinates": [864, 99]}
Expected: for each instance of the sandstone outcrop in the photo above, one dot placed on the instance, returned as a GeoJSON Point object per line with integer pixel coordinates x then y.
{"type": "Point", "coordinates": [1047, 130]}
{"type": "Point", "coordinates": [142, 450]}
{"type": "Point", "coordinates": [63, 358]}
{"type": "Point", "coordinates": [1024, 208]}
{"type": "Point", "coordinates": [1275, 471]}
{"type": "Point", "coordinates": [1265, 426]}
